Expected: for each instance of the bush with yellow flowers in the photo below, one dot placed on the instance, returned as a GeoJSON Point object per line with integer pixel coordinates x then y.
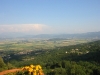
{"type": "Point", "coordinates": [33, 70]}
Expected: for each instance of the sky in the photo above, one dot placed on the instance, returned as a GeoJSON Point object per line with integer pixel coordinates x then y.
{"type": "Point", "coordinates": [49, 16]}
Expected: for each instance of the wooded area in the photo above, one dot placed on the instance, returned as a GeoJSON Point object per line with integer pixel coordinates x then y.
{"type": "Point", "coordinates": [81, 59]}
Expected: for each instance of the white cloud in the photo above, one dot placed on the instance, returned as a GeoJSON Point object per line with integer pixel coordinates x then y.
{"type": "Point", "coordinates": [42, 29]}
{"type": "Point", "coordinates": [36, 28]}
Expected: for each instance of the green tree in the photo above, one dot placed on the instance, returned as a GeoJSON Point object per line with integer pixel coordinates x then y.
{"type": "Point", "coordinates": [2, 64]}
{"type": "Point", "coordinates": [10, 66]}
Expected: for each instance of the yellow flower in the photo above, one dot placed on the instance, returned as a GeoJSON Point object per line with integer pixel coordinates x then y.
{"type": "Point", "coordinates": [26, 67]}
{"type": "Point", "coordinates": [34, 72]}
{"type": "Point", "coordinates": [32, 66]}
{"type": "Point", "coordinates": [30, 70]}
{"type": "Point", "coordinates": [35, 69]}
{"type": "Point", "coordinates": [38, 67]}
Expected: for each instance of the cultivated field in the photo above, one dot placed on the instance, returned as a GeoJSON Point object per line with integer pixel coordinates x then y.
{"type": "Point", "coordinates": [37, 44]}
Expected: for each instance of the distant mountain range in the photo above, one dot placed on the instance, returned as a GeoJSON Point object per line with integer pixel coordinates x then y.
{"type": "Point", "coordinates": [95, 35]}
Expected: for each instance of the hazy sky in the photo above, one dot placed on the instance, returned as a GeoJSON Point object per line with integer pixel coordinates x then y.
{"type": "Point", "coordinates": [49, 16]}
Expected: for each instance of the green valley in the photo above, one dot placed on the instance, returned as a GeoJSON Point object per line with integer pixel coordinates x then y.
{"type": "Point", "coordinates": [56, 56]}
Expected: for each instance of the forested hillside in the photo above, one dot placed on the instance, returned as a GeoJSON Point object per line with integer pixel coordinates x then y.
{"type": "Point", "coordinates": [81, 59]}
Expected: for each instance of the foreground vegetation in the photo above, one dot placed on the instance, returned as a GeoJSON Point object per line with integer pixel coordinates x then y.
{"type": "Point", "coordinates": [80, 59]}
